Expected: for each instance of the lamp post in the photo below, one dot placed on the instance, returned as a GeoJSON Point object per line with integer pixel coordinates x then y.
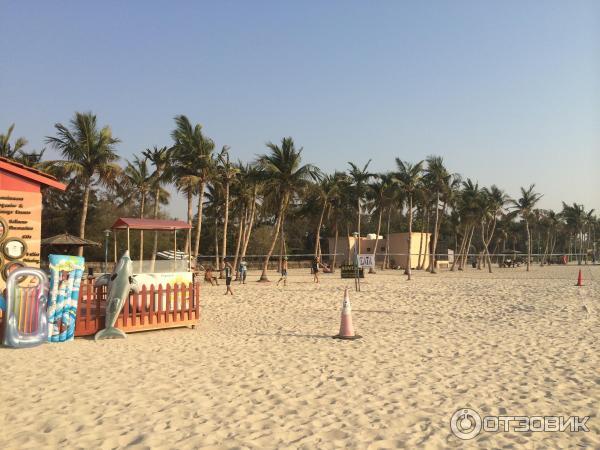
{"type": "Point", "coordinates": [106, 237]}
{"type": "Point", "coordinates": [356, 268]}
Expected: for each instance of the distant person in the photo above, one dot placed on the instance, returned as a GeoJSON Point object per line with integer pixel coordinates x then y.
{"type": "Point", "coordinates": [210, 277]}
{"type": "Point", "coordinates": [284, 271]}
{"type": "Point", "coordinates": [243, 271]}
{"type": "Point", "coordinates": [315, 269]}
{"type": "Point", "coordinates": [228, 272]}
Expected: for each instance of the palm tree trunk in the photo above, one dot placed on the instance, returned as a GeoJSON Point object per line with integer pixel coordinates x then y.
{"type": "Point", "coordinates": [318, 233]}
{"type": "Point", "coordinates": [553, 245]}
{"type": "Point", "coordinates": [349, 244]}
{"type": "Point", "coordinates": [545, 249]}
{"type": "Point", "coordinates": [142, 205]}
{"type": "Point", "coordinates": [263, 275]}
{"type": "Point", "coordinates": [251, 222]}
{"type": "Point", "coordinates": [155, 243]}
{"type": "Point", "coordinates": [433, 258]}
{"type": "Point", "coordinates": [376, 241]}
{"type": "Point", "coordinates": [528, 244]}
{"type": "Point", "coordinates": [281, 244]}
{"type": "Point", "coordinates": [217, 262]}
{"type": "Point", "coordinates": [225, 220]}
{"type": "Point", "coordinates": [485, 249]}
{"type": "Point", "coordinates": [335, 244]}
{"type": "Point", "coordinates": [410, 218]}
{"type": "Point", "coordinates": [190, 203]}
{"type": "Point", "coordinates": [421, 263]}
{"type": "Point", "coordinates": [239, 242]}
{"type": "Point", "coordinates": [458, 256]}
{"type": "Point", "coordinates": [199, 226]}
{"type": "Point", "coordinates": [386, 259]}
{"type": "Point", "coordinates": [466, 255]}
{"type": "Point", "coordinates": [84, 211]}
{"type": "Point", "coordinates": [358, 225]}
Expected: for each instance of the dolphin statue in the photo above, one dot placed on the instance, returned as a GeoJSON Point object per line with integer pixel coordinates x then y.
{"type": "Point", "coordinates": [120, 284]}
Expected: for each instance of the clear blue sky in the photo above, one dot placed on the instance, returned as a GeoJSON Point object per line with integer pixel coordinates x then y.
{"type": "Point", "coordinates": [507, 92]}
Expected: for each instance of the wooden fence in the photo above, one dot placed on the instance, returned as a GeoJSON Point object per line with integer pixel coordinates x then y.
{"type": "Point", "coordinates": [151, 309]}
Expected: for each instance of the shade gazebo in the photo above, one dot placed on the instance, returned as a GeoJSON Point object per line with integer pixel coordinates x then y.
{"type": "Point", "coordinates": [132, 223]}
{"type": "Point", "coordinates": [67, 241]}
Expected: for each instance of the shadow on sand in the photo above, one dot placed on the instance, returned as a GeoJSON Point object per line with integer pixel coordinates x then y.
{"type": "Point", "coordinates": [319, 336]}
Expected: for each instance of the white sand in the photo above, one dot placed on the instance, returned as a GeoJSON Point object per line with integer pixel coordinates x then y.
{"type": "Point", "coordinates": [262, 371]}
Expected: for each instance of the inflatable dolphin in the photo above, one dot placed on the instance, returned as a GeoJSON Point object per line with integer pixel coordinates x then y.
{"type": "Point", "coordinates": [120, 284]}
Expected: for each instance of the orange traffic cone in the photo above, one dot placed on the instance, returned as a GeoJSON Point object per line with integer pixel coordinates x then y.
{"type": "Point", "coordinates": [346, 328]}
{"type": "Point", "coordinates": [579, 279]}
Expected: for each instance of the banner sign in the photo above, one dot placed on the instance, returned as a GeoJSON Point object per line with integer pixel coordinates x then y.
{"type": "Point", "coordinates": [349, 271]}
{"type": "Point", "coordinates": [366, 261]}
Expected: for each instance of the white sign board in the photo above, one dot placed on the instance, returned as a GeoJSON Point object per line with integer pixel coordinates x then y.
{"type": "Point", "coordinates": [366, 261]}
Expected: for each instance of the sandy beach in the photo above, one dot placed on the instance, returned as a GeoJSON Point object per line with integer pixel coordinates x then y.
{"type": "Point", "coordinates": [261, 371]}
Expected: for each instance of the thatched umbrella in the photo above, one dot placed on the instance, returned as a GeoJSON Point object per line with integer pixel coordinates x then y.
{"type": "Point", "coordinates": [67, 242]}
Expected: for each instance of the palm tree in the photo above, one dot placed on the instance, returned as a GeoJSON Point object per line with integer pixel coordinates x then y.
{"type": "Point", "coordinates": [227, 172]}
{"type": "Point", "coordinates": [468, 206]}
{"type": "Point", "coordinates": [325, 188]}
{"type": "Point", "coordinates": [360, 178]}
{"type": "Point", "coordinates": [339, 207]}
{"type": "Point", "coordinates": [524, 207]}
{"type": "Point", "coordinates": [438, 178]}
{"type": "Point", "coordinates": [138, 179]}
{"type": "Point", "coordinates": [161, 160]}
{"type": "Point", "coordinates": [253, 178]}
{"type": "Point", "coordinates": [409, 177]}
{"type": "Point", "coordinates": [89, 154]}
{"type": "Point", "coordinates": [11, 151]}
{"type": "Point", "coordinates": [493, 201]}
{"type": "Point", "coordinates": [380, 197]}
{"type": "Point", "coordinates": [191, 166]}
{"type": "Point", "coordinates": [206, 169]}
{"type": "Point", "coordinates": [285, 175]}
{"type": "Point", "coordinates": [214, 207]}
{"type": "Point", "coordinates": [576, 219]}
{"type": "Point", "coordinates": [32, 158]}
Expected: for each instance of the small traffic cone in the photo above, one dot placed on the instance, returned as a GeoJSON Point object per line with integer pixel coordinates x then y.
{"type": "Point", "coordinates": [579, 279]}
{"type": "Point", "coordinates": [346, 328]}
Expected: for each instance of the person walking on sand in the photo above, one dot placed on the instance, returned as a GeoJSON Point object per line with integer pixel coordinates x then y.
{"type": "Point", "coordinates": [243, 269]}
{"type": "Point", "coordinates": [284, 271]}
{"type": "Point", "coordinates": [315, 269]}
{"type": "Point", "coordinates": [228, 272]}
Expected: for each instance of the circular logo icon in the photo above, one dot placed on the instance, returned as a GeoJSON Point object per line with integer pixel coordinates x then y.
{"type": "Point", "coordinates": [465, 423]}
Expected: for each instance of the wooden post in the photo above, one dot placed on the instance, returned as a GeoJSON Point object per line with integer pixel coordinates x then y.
{"type": "Point", "coordinates": [160, 308]}
{"type": "Point", "coordinates": [151, 310]}
{"type": "Point", "coordinates": [134, 304]}
{"type": "Point", "coordinates": [143, 305]}
{"type": "Point", "coordinates": [168, 303]}
{"type": "Point", "coordinates": [190, 248]}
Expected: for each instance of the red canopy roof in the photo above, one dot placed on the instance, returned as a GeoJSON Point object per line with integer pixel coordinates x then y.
{"type": "Point", "coordinates": [30, 173]}
{"type": "Point", "coordinates": [150, 224]}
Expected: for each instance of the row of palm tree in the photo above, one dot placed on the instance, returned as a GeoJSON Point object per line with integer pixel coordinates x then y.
{"type": "Point", "coordinates": [278, 191]}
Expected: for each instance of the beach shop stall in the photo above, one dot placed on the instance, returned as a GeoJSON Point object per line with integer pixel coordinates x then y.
{"type": "Point", "coordinates": [168, 297]}
{"type": "Point", "coordinates": [21, 215]}
{"type": "Point", "coordinates": [21, 190]}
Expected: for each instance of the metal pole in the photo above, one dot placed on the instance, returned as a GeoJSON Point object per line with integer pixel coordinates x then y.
{"type": "Point", "coordinates": [174, 250]}
{"type": "Point", "coordinates": [106, 236]}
